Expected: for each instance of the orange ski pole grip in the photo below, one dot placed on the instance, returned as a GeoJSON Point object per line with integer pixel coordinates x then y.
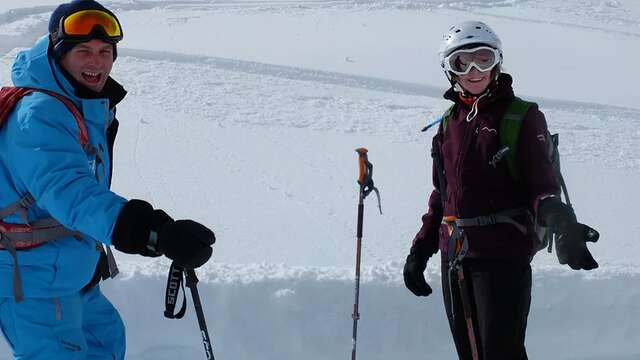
{"type": "Point", "coordinates": [362, 159]}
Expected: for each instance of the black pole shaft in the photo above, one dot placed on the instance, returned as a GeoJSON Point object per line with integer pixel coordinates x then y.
{"type": "Point", "coordinates": [356, 313]}
{"type": "Point", "coordinates": [192, 281]}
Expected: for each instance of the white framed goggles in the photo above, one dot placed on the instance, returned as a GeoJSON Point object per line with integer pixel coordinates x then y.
{"type": "Point", "coordinates": [483, 58]}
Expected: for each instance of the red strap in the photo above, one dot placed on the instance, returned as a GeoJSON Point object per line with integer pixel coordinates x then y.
{"type": "Point", "coordinates": [15, 228]}
{"type": "Point", "coordinates": [18, 228]}
{"type": "Point", "coordinates": [467, 100]}
{"type": "Point", "coordinates": [9, 97]}
{"type": "Point", "coordinates": [23, 236]}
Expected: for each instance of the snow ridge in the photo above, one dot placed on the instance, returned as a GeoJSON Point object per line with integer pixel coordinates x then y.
{"type": "Point", "coordinates": [307, 316]}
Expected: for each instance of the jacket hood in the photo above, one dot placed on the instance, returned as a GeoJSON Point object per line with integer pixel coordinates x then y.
{"type": "Point", "coordinates": [35, 68]}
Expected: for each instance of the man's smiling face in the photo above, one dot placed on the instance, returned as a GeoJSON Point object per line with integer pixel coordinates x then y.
{"type": "Point", "coordinates": [90, 63]}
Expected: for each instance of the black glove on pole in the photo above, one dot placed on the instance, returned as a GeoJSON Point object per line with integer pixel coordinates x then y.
{"type": "Point", "coordinates": [142, 230]}
{"type": "Point", "coordinates": [570, 235]}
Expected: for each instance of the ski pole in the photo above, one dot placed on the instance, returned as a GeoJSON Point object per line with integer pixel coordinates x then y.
{"type": "Point", "coordinates": [356, 314]}
{"type": "Point", "coordinates": [192, 282]}
{"type": "Point", "coordinates": [458, 247]}
{"type": "Point", "coordinates": [365, 181]}
{"type": "Point", "coordinates": [177, 275]}
{"type": "Point", "coordinates": [468, 316]}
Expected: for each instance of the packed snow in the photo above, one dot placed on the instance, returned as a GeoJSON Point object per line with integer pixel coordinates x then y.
{"type": "Point", "coordinates": [244, 115]}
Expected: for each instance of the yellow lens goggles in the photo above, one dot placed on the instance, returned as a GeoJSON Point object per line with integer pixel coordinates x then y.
{"type": "Point", "coordinates": [83, 23]}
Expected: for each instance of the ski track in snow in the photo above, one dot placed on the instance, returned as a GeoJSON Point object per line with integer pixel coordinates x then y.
{"type": "Point", "coordinates": [399, 109]}
{"type": "Point", "coordinates": [20, 26]}
{"type": "Point", "coordinates": [630, 24]}
{"type": "Point", "coordinates": [599, 119]}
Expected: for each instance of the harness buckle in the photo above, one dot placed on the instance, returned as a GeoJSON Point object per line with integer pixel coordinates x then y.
{"type": "Point", "coordinates": [27, 202]}
{"type": "Point", "coordinates": [486, 220]}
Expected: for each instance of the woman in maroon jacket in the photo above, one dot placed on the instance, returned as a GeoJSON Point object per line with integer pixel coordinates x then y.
{"type": "Point", "coordinates": [481, 216]}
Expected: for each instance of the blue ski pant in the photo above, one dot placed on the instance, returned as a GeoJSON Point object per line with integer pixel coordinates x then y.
{"type": "Point", "coordinates": [83, 326]}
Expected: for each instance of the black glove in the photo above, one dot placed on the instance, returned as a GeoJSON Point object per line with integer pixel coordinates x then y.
{"type": "Point", "coordinates": [571, 236]}
{"type": "Point", "coordinates": [414, 275]}
{"type": "Point", "coordinates": [186, 242]}
{"type": "Point", "coordinates": [142, 230]}
{"type": "Point", "coordinates": [571, 246]}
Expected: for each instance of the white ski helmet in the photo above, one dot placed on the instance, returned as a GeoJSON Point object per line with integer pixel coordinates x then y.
{"type": "Point", "coordinates": [467, 33]}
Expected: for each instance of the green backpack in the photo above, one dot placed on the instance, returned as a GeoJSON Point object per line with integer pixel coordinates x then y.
{"type": "Point", "coordinates": [509, 133]}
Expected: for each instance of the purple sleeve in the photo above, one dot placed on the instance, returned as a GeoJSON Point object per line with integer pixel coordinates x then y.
{"type": "Point", "coordinates": [425, 243]}
{"type": "Point", "coordinates": [535, 166]}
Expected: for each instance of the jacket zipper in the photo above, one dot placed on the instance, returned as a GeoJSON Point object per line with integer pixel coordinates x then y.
{"type": "Point", "coordinates": [464, 147]}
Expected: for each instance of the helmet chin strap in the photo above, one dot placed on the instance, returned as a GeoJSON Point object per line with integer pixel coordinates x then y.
{"type": "Point", "coordinates": [495, 72]}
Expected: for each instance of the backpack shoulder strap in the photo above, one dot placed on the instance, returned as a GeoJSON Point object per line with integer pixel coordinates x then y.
{"type": "Point", "coordinates": [510, 131]}
{"type": "Point", "coordinates": [435, 150]}
{"type": "Point", "coordinates": [15, 237]}
{"type": "Point", "coordinates": [446, 116]}
{"type": "Point", "coordinates": [9, 97]}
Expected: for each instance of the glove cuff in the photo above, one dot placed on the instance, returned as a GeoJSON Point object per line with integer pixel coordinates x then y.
{"type": "Point", "coordinates": [419, 251]}
{"type": "Point", "coordinates": [135, 231]}
{"type": "Point", "coordinates": [555, 214]}
{"type": "Point", "coordinates": [417, 259]}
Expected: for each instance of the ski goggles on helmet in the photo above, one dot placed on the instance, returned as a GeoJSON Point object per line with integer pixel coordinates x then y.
{"type": "Point", "coordinates": [84, 24]}
{"type": "Point", "coordinates": [483, 58]}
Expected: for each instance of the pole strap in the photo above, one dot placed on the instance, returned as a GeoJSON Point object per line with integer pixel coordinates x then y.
{"type": "Point", "coordinates": [178, 278]}
{"type": "Point", "coordinates": [174, 284]}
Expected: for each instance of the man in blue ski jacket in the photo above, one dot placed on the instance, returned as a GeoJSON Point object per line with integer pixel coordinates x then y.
{"type": "Point", "coordinates": [57, 213]}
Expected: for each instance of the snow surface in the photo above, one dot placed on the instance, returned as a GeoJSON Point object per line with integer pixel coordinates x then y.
{"type": "Point", "coordinates": [244, 115]}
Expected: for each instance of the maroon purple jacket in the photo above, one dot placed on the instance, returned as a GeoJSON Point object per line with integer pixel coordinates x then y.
{"type": "Point", "coordinates": [476, 188]}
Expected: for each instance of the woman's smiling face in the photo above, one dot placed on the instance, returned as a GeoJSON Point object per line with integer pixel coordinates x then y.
{"type": "Point", "coordinates": [476, 81]}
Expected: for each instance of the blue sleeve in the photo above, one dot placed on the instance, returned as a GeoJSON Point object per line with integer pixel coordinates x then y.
{"type": "Point", "coordinates": [49, 162]}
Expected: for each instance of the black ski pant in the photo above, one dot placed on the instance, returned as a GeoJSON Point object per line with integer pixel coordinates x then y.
{"type": "Point", "coordinates": [500, 297]}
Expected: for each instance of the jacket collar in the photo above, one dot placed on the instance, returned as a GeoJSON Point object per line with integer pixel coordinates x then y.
{"type": "Point", "coordinates": [499, 89]}
{"type": "Point", "coordinates": [112, 90]}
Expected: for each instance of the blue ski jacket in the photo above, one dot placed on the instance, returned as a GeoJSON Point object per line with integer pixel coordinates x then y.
{"type": "Point", "coordinates": [40, 154]}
